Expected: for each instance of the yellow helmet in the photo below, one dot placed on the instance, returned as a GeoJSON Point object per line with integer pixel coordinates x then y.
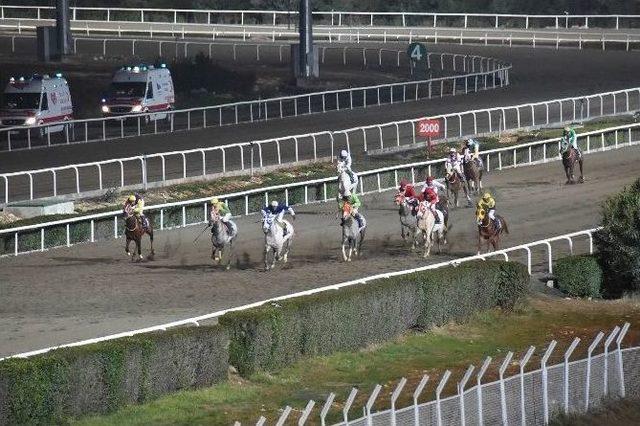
{"type": "Point", "coordinates": [215, 201]}
{"type": "Point", "coordinates": [132, 198]}
{"type": "Point", "coordinates": [486, 196]}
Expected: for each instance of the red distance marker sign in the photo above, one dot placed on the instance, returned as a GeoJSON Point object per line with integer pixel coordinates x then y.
{"type": "Point", "coordinates": [429, 128]}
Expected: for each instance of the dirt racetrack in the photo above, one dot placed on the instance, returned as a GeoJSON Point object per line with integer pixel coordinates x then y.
{"type": "Point", "coordinates": [92, 290]}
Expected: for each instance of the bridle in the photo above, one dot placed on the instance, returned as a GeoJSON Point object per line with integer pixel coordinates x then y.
{"type": "Point", "coordinates": [135, 221]}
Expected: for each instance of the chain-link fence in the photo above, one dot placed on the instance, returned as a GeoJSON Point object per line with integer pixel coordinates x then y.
{"type": "Point", "coordinates": [528, 397]}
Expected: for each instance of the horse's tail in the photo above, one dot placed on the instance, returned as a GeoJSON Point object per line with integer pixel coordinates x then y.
{"type": "Point", "coordinates": [504, 225]}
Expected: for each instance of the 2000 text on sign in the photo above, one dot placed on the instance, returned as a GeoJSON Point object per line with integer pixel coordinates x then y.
{"type": "Point", "coordinates": [429, 128]}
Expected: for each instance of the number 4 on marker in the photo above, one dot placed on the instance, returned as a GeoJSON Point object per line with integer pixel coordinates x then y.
{"type": "Point", "coordinates": [416, 53]}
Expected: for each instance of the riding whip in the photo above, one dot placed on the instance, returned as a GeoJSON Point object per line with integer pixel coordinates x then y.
{"type": "Point", "coordinates": [200, 234]}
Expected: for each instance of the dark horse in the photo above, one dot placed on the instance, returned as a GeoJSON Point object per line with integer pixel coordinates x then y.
{"type": "Point", "coordinates": [473, 173]}
{"type": "Point", "coordinates": [134, 231]}
{"type": "Point", "coordinates": [569, 158]}
{"type": "Point", "coordinates": [454, 184]}
{"type": "Point", "coordinates": [487, 229]}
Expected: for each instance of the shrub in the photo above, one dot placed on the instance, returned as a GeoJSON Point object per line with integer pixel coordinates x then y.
{"type": "Point", "coordinates": [618, 243]}
{"type": "Point", "coordinates": [275, 335]}
{"type": "Point", "coordinates": [579, 276]}
{"type": "Point", "coordinates": [104, 376]}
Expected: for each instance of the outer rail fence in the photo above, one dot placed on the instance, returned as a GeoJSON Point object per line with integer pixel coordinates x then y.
{"type": "Point", "coordinates": [107, 226]}
{"type": "Point", "coordinates": [182, 166]}
{"type": "Point", "coordinates": [576, 242]}
{"type": "Point", "coordinates": [479, 74]}
{"type": "Point", "coordinates": [558, 39]}
{"type": "Point", "coordinates": [527, 397]}
{"type": "Point", "coordinates": [334, 18]}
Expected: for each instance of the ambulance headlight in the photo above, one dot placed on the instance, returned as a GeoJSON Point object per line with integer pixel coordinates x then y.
{"type": "Point", "coordinates": [30, 121]}
{"type": "Point", "coordinates": [105, 109]}
{"type": "Point", "coordinates": [136, 108]}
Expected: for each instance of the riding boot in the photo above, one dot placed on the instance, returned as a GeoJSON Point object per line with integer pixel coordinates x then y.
{"type": "Point", "coordinates": [497, 224]}
{"type": "Point", "coordinates": [361, 221]}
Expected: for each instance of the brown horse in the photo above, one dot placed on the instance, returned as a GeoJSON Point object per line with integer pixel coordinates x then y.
{"type": "Point", "coordinates": [134, 231]}
{"type": "Point", "coordinates": [487, 229]}
{"type": "Point", "coordinates": [569, 158]}
{"type": "Point", "coordinates": [454, 185]}
{"type": "Point", "coordinates": [473, 173]}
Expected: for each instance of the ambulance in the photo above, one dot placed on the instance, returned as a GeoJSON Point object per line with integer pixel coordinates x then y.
{"type": "Point", "coordinates": [35, 101]}
{"type": "Point", "coordinates": [140, 89]}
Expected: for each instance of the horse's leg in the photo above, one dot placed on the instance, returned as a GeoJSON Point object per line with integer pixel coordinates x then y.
{"type": "Point", "coordinates": [581, 172]}
{"type": "Point", "coordinates": [126, 246]}
{"type": "Point", "coordinates": [139, 247]}
{"type": "Point", "coordinates": [150, 232]}
{"type": "Point", "coordinates": [479, 240]}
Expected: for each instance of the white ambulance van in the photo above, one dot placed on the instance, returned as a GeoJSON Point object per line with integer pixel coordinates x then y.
{"type": "Point", "coordinates": [37, 100]}
{"type": "Point", "coordinates": [140, 89]}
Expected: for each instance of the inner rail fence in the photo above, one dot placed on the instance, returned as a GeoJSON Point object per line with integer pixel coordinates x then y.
{"type": "Point", "coordinates": [333, 18]}
{"type": "Point", "coordinates": [528, 396]}
{"type": "Point", "coordinates": [476, 73]}
{"type": "Point", "coordinates": [107, 226]}
{"type": "Point", "coordinates": [545, 251]}
{"type": "Point", "coordinates": [154, 170]}
{"type": "Point", "coordinates": [574, 39]}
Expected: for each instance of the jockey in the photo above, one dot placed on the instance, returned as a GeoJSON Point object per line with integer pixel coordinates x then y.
{"type": "Point", "coordinates": [472, 149]}
{"type": "Point", "coordinates": [453, 163]}
{"type": "Point", "coordinates": [355, 203]}
{"type": "Point", "coordinates": [409, 193]}
{"type": "Point", "coordinates": [135, 204]}
{"type": "Point", "coordinates": [432, 184]}
{"type": "Point", "coordinates": [569, 138]}
{"type": "Point", "coordinates": [344, 163]}
{"type": "Point", "coordinates": [278, 211]}
{"type": "Point", "coordinates": [488, 204]}
{"type": "Point", "coordinates": [222, 209]}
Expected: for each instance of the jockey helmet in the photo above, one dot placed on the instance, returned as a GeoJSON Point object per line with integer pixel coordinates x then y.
{"type": "Point", "coordinates": [469, 142]}
{"type": "Point", "coordinates": [567, 129]}
{"type": "Point", "coordinates": [131, 198]}
{"type": "Point", "coordinates": [215, 201]}
{"type": "Point", "coordinates": [486, 196]}
{"type": "Point", "coordinates": [274, 203]}
{"type": "Point", "coordinates": [452, 151]}
{"type": "Point", "coordinates": [429, 179]}
{"type": "Point", "coordinates": [344, 153]}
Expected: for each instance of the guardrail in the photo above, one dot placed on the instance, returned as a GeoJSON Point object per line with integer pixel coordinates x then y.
{"type": "Point", "coordinates": [525, 249]}
{"type": "Point", "coordinates": [334, 18]}
{"type": "Point", "coordinates": [151, 170]}
{"type": "Point", "coordinates": [579, 40]}
{"type": "Point", "coordinates": [481, 74]}
{"type": "Point", "coordinates": [106, 226]}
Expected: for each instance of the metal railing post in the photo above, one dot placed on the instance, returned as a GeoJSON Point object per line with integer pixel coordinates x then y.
{"type": "Point", "coordinates": [416, 395]}
{"type": "Point", "coordinates": [481, 372]}
{"type": "Point", "coordinates": [592, 347]}
{"type": "Point", "coordinates": [461, 386]}
{"type": "Point", "coordinates": [503, 396]}
{"type": "Point", "coordinates": [607, 343]}
{"type": "Point", "coordinates": [394, 398]}
{"type": "Point", "coordinates": [567, 354]}
{"type": "Point", "coordinates": [545, 385]}
{"type": "Point", "coordinates": [439, 389]}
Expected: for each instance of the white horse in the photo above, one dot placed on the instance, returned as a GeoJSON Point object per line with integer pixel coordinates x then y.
{"type": "Point", "coordinates": [221, 238]}
{"type": "Point", "coordinates": [276, 244]}
{"type": "Point", "coordinates": [345, 185]}
{"type": "Point", "coordinates": [408, 225]}
{"type": "Point", "coordinates": [429, 230]}
{"type": "Point", "coordinates": [352, 236]}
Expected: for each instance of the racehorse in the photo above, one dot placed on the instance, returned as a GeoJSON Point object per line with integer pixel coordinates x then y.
{"type": "Point", "coordinates": [345, 185]}
{"type": "Point", "coordinates": [454, 184]}
{"type": "Point", "coordinates": [408, 222]}
{"type": "Point", "coordinates": [473, 173]}
{"type": "Point", "coordinates": [351, 237]}
{"type": "Point", "coordinates": [430, 230]}
{"type": "Point", "coordinates": [221, 238]}
{"type": "Point", "coordinates": [569, 158]}
{"type": "Point", "coordinates": [276, 244]}
{"type": "Point", "coordinates": [487, 229]}
{"type": "Point", "coordinates": [134, 231]}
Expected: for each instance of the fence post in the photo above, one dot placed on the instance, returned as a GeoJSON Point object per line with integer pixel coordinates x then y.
{"type": "Point", "coordinates": [461, 386]}
{"type": "Point", "coordinates": [370, 402]}
{"type": "Point", "coordinates": [416, 395]}
{"type": "Point", "coordinates": [523, 363]}
{"type": "Point", "coordinates": [623, 332]}
{"type": "Point", "coordinates": [592, 347]}
{"type": "Point", "coordinates": [483, 369]}
{"type": "Point", "coordinates": [503, 396]}
{"type": "Point", "coordinates": [326, 408]}
{"type": "Point", "coordinates": [352, 395]}
{"type": "Point", "coordinates": [443, 382]}
{"type": "Point", "coordinates": [305, 414]}
{"type": "Point", "coordinates": [283, 417]}
{"type": "Point", "coordinates": [394, 397]}
{"type": "Point", "coordinates": [607, 342]}
{"type": "Point", "coordinates": [545, 387]}
{"type": "Point", "coordinates": [567, 354]}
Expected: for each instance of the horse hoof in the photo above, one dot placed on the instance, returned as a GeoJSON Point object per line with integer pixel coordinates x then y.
{"type": "Point", "coordinates": [228, 267]}
{"type": "Point", "coordinates": [128, 254]}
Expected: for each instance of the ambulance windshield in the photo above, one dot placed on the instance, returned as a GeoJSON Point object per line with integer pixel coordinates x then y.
{"type": "Point", "coordinates": [21, 101]}
{"type": "Point", "coordinates": [127, 89]}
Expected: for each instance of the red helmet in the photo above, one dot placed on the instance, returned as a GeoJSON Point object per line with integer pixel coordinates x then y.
{"type": "Point", "coordinates": [429, 179]}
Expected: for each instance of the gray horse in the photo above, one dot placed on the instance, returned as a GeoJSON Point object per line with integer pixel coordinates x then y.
{"type": "Point", "coordinates": [408, 222]}
{"type": "Point", "coordinates": [352, 236]}
{"type": "Point", "coordinates": [221, 240]}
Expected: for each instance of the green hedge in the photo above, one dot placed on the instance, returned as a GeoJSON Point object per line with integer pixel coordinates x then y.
{"type": "Point", "coordinates": [579, 276]}
{"type": "Point", "coordinates": [275, 335]}
{"type": "Point", "coordinates": [102, 377]}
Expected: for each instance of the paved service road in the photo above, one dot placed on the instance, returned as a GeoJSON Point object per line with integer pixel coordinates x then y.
{"type": "Point", "coordinates": [92, 290]}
